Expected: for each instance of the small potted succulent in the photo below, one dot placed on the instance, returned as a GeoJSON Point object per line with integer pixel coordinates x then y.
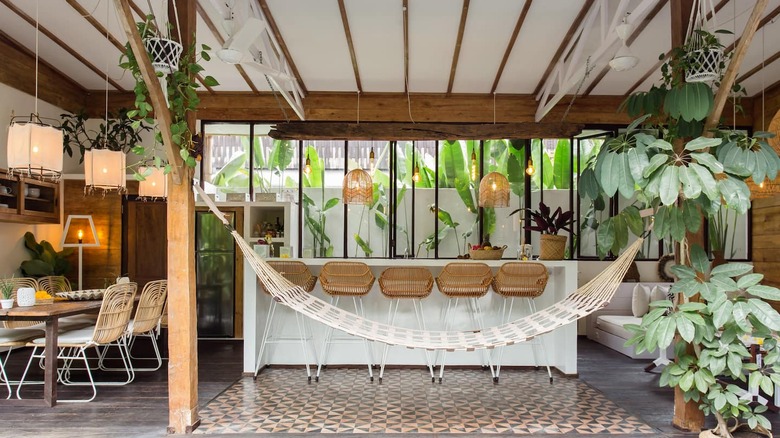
{"type": "Point", "coordinates": [553, 246]}
{"type": "Point", "coordinates": [6, 292]}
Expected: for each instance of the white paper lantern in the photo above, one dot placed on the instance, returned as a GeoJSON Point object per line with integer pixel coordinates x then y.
{"type": "Point", "coordinates": [35, 149]}
{"type": "Point", "coordinates": [155, 185]}
{"type": "Point", "coordinates": [105, 169]}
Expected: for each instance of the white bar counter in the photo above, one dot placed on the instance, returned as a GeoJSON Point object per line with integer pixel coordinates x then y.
{"type": "Point", "coordinates": [561, 343]}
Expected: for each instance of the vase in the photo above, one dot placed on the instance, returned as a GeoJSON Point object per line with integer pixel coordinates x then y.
{"type": "Point", "coordinates": [7, 304]}
{"type": "Point", "coordinates": [553, 247]}
{"type": "Point", "coordinates": [25, 297]}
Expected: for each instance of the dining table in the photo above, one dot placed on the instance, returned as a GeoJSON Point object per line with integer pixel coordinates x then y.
{"type": "Point", "coordinates": [50, 315]}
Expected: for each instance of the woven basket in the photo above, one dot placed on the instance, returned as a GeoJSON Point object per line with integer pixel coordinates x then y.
{"type": "Point", "coordinates": [705, 65]}
{"type": "Point", "coordinates": [487, 254]}
{"type": "Point", "coordinates": [164, 53]}
{"type": "Point", "coordinates": [552, 247]}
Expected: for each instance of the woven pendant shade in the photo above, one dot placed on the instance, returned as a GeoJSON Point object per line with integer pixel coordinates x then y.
{"type": "Point", "coordinates": [358, 187]}
{"type": "Point", "coordinates": [494, 191]}
{"type": "Point", "coordinates": [105, 169]}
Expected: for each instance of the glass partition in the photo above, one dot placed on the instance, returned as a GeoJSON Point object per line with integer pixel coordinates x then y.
{"type": "Point", "coordinates": [323, 211]}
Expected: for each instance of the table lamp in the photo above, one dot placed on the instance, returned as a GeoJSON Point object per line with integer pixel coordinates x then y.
{"type": "Point", "coordinates": [74, 235]}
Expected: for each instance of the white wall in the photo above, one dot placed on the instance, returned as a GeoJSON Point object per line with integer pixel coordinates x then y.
{"type": "Point", "coordinates": [11, 235]}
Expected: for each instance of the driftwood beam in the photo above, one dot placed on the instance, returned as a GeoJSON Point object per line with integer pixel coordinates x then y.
{"type": "Point", "coordinates": [420, 131]}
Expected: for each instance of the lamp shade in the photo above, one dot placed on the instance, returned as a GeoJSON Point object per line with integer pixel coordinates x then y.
{"type": "Point", "coordinates": [494, 191]}
{"type": "Point", "coordinates": [105, 169]}
{"type": "Point", "coordinates": [79, 230]}
{"type": "Point", "coordinates": [35, 149]}
{"type": "Point", "coordinates": [358, 187]}
{"type": "Point", "coordinates": [155, 185]}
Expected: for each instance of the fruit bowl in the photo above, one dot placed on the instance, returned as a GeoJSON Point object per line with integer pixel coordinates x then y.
{"type": "Point", "coordinates": [487, 254]}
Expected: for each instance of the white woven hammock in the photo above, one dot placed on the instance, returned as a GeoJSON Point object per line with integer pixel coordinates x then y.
{"type": "Point", "coordinates": [587, 299]}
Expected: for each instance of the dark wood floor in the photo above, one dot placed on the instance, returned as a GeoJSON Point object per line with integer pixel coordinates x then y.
{"type": "Point", "coordinates": [140, 409]}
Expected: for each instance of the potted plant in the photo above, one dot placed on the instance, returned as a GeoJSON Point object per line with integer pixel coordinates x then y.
{"type": "Point", "coordinates": [180, 86]}
{"type": "Point", "coordinates": [119, 133]}
{"type": "Point", "coordinates": [7, 293]}
{"type": "Point", "coordinates": [719, 311]}
{"type": "Point", "coordinates": [45, 260]}
{"type": "Point", "coordinates": [553, 246]}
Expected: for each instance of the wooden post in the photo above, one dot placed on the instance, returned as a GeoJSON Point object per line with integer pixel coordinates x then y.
{"type": "Point", "coordinates": [182, 318]}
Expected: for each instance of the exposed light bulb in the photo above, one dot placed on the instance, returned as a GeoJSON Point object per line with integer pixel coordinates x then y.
{"type": "Point", "coordinates": [416, 174]}
{"type": "Point", "coordinates": [473, 166]}
{"type": "Point", "coordinates": [81, 235]}
{"type": "Point", "coordinates": [530, 170]}
{"type": "Point", "coordinates": [493, 186]}
{"type": "Point", "coordinates": [35, 149]}
{"type": "Point", "coordinates": [105, 170]}
{"type": "Point", "coordinates": [307, 167]}
{"type": "Point", "coordinates": [371, 158]}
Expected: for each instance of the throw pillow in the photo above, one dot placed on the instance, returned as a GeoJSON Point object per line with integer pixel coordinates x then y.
{"type": "Point", "coordinates": [640, 300]}
{"type": "Point", "coordinates": [659, 293]}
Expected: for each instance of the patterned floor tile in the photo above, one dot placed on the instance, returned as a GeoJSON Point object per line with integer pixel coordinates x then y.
{"type": "Point", "coordinates": [344, 401]}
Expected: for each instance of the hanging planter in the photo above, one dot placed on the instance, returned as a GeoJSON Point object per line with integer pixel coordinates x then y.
{"type": "Point", "coordinates": [706, 65]}
{"type": "Point", "coordinates": [703, 58]}
{"type": "Point", "coordinates": [164, 54]}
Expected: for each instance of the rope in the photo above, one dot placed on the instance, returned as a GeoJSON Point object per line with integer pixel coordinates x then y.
{"type": "Point", "coordinates": [588, 69]}
{"type": "Point", "coordinates": [587, 299]}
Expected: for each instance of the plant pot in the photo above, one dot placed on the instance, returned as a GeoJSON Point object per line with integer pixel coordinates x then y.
{"type": "Point", "coordinates": [7, 304]}
{"type": "Point", "coordinates": [705, 65]}
{"type": "Point", "coordinates": [741, 430]}
{"type": "Point", "coordinates": [718, 257]}
{"type": "Point", "coordinates": [164, 54]}
{"type": "Point", "coordinates": [25, 297]}
{"type": "Point", "coordinates": [553, 247]}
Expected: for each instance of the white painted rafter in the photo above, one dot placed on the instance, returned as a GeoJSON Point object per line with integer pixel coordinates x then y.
{"type": "Point", "coordinates": [574, 64]}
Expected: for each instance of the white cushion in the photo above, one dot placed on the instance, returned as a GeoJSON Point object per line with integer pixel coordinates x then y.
{"type": "Point", "coordinates": [659, 293]}
{"type": "Point", "coordinates": [640, 300]}
{"type": "Point", "coordinates": [17, 335]}
{"type": "Point", "coordinates": [614, 324]}
{"type": "Point", "coordinates": [80, 336]}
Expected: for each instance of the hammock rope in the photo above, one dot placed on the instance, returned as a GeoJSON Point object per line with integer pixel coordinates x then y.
{"type": "Point", "coordinates": [590, 297]}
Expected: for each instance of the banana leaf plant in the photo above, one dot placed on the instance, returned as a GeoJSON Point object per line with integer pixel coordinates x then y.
{"type": "Point", "coordinates": [315, 214]}
{"type": "Point", "coordinates": [682, 178]}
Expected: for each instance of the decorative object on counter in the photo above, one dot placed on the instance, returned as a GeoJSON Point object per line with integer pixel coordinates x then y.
{"type": "Point", "coordinates": [262, 250]}
{"type": "Point", "coordinates": [6, 293]}
{"type": "Point", "coordinates": [494, 191]}
{"type": "Point", "coordinates": [285, 252]}
{"type": "Point", "coordinates": [486, 252]}
{"type": "Point", "coordinates": [25, 296]}
{"type": "Point", "coordinates": [73, 236]}
{"type": "Point", "coordinates": [553, 246]}
{"type": "Point", "coordinates": [45, 260]}
{"type": "Point", "coordinates": [358, 187]}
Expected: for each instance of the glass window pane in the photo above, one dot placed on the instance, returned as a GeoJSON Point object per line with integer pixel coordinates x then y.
{"type": "Point", "coordinates": [506, 157]}
{"type": "Point", "coordinates": [226, 158]}
{"type": "Point", "coordinates": [424, 194]}
{"type": "Point", "coordinates": [323, 212]}
{"type": "Point", "coordinates": [368, 227]}
{"type": "Point", "coordinates": [457, 213]}
{"type": "Point", "coordinates": [590, 212]}
{"type": "Point", "coordinates": [728, 233]}
{"type": "Point", "coordinates": [556, 177]}
{"type": "Point", "coordinates": [275, 163]}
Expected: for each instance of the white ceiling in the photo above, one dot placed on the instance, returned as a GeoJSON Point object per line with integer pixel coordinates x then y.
{"type": "Point", "coordinates": [313, 32]}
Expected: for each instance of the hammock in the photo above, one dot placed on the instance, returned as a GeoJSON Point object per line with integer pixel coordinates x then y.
{"type": "Point", "coordinates": [592, 296]}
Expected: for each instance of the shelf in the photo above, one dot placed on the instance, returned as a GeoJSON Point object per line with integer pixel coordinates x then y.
{"type": "Point", "coordinates": [23, 208]}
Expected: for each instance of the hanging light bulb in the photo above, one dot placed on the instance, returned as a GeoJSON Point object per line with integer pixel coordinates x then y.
{"type": "Point", "coordinates": [307, 167]}
{"type": "Point", "coordinates": [530, 170]}
{"type": "Point", "coordinates": [473, 166]}
{"type": "Point", "coordinates": [371, 158]}
{"type": "Point", "coordinates": [416, 174]}
{"type": "Point", "coordinates": [493, 186]}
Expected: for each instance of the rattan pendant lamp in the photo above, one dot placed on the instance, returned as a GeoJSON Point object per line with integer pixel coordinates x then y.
{"type": "Point", "coordinates": [494, 191]}
{"type": "Point", "coordinates": [357, 187]}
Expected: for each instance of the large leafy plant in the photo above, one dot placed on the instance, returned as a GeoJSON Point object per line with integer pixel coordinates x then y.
{"type": "Point", "coordinates": [181, 90]}
{"type": "Point", "coordinates": [119, 133]}
{"type": "Point", "coordinates": [547, 223]}
{"type": "Point", "coordinates": [45, 259]}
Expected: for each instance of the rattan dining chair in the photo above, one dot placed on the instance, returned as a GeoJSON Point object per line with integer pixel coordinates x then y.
{"type": "Point", "coordinates": [469, 281]}
{"type": "Point", "coordinates": [111, 327]}
{"type": "Point", "coordinates": [145, 323]}
{"type": "Point", "coordinates": [525, 280]}
{"type": "Point", "coordinates": [300, 275]}
{"type": "Point", "coordinates": [406, 283]}
{"type": "Point", "coordinates": [54, 283]}
{"type": "Point", "coordinates": [20, 282]}
{"type": "Point", "coordinates": [351, 280]}
{"type": "Point", "coordinates": [10, 339]}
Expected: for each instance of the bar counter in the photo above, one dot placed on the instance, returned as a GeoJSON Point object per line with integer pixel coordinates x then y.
{"type": "Point", "coordinates": [561, 343]}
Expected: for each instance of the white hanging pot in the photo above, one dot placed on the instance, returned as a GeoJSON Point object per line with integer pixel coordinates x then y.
{"type": "Point", "coordinates": [705, 65]}
{"type": "Point", "coordinates": [164, 54]}
{"type": "Point", "coordinates": [25, 297]}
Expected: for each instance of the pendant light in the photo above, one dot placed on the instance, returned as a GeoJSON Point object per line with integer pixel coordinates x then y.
{"type": "Point", "coordinates": [473, 165]}
{"type": "Point", "coordinates": [307, 166]}
{"type": "Point", "coordinates": [530, 170]}
{"type": "Point", "coordinates": [494, 191]}
{"type": "Point", "coordinates": [103, 168]}
{"type": "Point", "coordinates": [154, 185]}
{"type": "Point", "coordinates": [358, 188]}
{"type": "Point", "coordinates": [416, 174]}
{"type": "Point", "coordinates": [34, 147]}
{"type": "Point", "coordinates": [623, 59]}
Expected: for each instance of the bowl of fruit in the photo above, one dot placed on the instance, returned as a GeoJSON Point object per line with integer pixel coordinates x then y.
{"type": "Point", "coordinates": [486, 251]}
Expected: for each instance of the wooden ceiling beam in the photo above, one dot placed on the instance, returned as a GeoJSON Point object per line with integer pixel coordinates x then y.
{"type": "Point", "coordinates": [54, 86]}
{"type": "Point", "coordinates": [634, 35]}
{"type": "Point", "coordinates": [60, 43]}
{"type": "Point", "coordinates": [461, 30]}
{"type": "Point", "coordinates": [558, 53]}
{"type": "Point", "coordinates": [156, 95]}
{"type": "Point", "coordinates": [511, 44]}
{"type": "Point", "coordinates": [221, 41]}
{"type": "Point", "coordinates": [405, 14]}
{"type": "Point", "coordinates": [420, 131]}
{"type": "Point", "coordinates": [282, 45]}
{"type": "Point", "coordinates": [350, 44]}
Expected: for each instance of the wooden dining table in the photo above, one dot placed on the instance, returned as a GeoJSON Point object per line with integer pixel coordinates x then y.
{"type": "Point", "coordinates": [50, 315]}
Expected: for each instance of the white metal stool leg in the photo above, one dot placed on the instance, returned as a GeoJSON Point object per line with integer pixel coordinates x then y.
{"type": "Point", "coordinates": [481, 325]}
{"type": "Point", "coordinates": [302, 334]}
{"type": "Point", "coordinates": [421, 324]}
{"type": "Point", "coordinates": [334, 301]}
{"type": "Point", "coordinates": [532, 307]}
{"type": "Point", "coordinates": [369, 357]}
{"type": "Point", "coordinates": [391, 312]}
{"type": "Point", "coordinates": [504, 319]}
{"type": "Point", "coordinates": [448, 322]}
{"type": "Point", "coordinates": [266, 336]}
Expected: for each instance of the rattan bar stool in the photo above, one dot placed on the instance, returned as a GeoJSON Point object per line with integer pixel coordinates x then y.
{"type": "Point", "coordinates": [469, 281]}
{"type": "Point", "coordinates": [300, 275]}
{"type": "Point", "coordinates": [346, 279]}
{"type": "Point", "coordinates": [521, 280]}
{"type": "Point", "coordinates": [412, 284]}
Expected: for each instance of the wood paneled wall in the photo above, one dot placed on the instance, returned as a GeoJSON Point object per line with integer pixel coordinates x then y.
{"type": "Point", "coordinates": [102, 264]}
{"type": "Point", "coordinates": [766, 240]}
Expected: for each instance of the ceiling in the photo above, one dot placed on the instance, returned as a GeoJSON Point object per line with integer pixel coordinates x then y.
{"type": "Point", "coordinates": [468, 46]}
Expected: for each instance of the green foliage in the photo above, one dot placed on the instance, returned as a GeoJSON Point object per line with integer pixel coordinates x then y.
{"type": "Point", "coordinates": [181, 90]}
{"type": "Point", "coordinates": [6, 288]}
{"type": "Point", "coordinates": [45, 260]}
{"type": "Point", "coordinates": [120, 133]}
{"type": "Point", "coordinates": [315, 215]}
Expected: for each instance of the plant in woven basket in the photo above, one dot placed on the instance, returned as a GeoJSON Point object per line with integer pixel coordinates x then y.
{"type": "Point", "coordinates": [179, 84]}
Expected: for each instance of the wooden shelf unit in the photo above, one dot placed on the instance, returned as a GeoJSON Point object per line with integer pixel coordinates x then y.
{"type": "Point", "coordinates": [19, 206]}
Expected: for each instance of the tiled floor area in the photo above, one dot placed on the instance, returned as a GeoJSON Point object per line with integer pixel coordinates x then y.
{"type": "Point", "coordinates": [344, 401]}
